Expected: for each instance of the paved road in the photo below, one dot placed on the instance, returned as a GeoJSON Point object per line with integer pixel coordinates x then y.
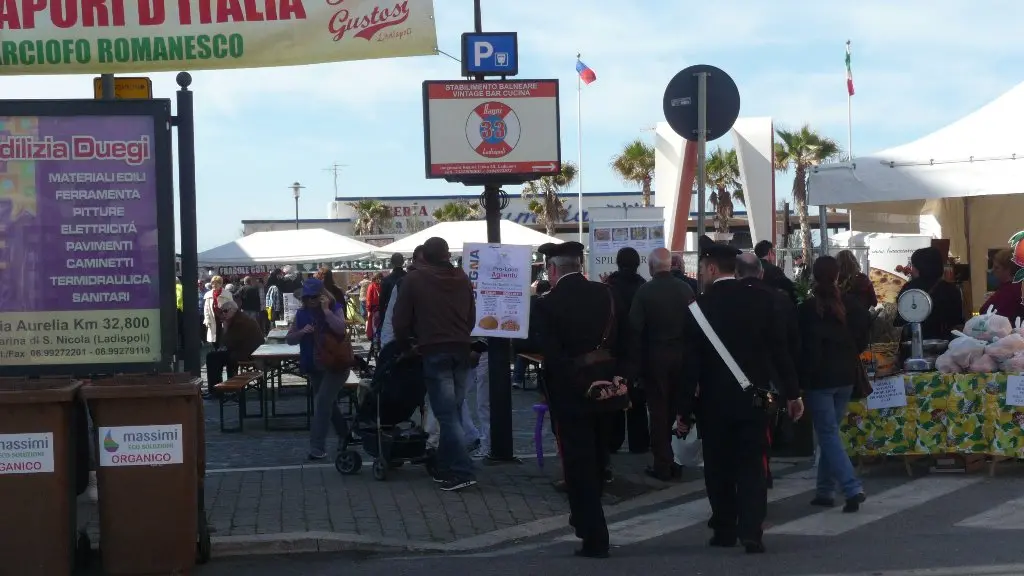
{"type": "Point", "coordinates": [907, 524]}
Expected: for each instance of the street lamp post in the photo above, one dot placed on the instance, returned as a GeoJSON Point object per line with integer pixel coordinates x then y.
{"type": "Point", "coordinates": [296, 187]}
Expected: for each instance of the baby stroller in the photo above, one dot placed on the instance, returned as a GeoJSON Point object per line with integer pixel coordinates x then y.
{"type": "Point", "coordinates": [382, 422]}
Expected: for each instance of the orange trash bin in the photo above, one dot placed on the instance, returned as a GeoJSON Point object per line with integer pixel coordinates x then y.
{"type": "Point", "coordinates": [37, 472]}
{"type": "Point", "coordinates": [147, 473]}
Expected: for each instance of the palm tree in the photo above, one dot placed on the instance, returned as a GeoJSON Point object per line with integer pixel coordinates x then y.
{"type": "Point", "coordinates": [722, 173]}
{"type": "Point", "coordinates": [801, 150]}
{"type": "Point", "coordinates": [371, 215]}
{"type": "Point", "coordinates": [635, 165]}
{"type": "Point", "coordinates": [543, 200]}
{"type": "Point", "coordinates": [457, 211]}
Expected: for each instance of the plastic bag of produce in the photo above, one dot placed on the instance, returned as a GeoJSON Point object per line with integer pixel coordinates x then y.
{"type": "Point", "coordinates": [1014, 363]}
{"type": "Point", "coordinates": [947, 365]}
{"type": "Point", "coordinates": [1004, 348]}
{"type": "Point", "coordinates": [983, 364]}
{"type": "Point", "coordinates": [988, 326]}
{"type": "Point", "coordinates": [964, 349]}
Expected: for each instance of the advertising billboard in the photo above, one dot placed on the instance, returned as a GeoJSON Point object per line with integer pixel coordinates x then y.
{"type": "Point", "coordinates": [86, 254]}
{"type": "Point", "coordinates": [491, 128]}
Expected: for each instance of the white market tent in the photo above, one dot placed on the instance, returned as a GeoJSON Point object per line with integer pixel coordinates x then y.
{"type": "Point", "coordinates": [458, 233]}
{"type": "Point", "coordinates": [968, 177]}
{"type": "Point", "coordinates": [314, 245]}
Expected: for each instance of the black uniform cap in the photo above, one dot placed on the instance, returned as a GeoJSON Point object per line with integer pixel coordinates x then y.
{"type": "Point", "coordinates": [708, 248]}
{"type": "Point", "coordinates": [552, 250]}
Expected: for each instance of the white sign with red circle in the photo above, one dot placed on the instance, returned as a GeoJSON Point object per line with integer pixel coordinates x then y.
{"type": "Point", "coordinates": [482, 128]}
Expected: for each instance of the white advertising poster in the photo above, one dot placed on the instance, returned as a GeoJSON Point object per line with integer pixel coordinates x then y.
{"type": "Point", "coordinates": [607, 238]}
{"type": "Point", "coordinates": [291, 306]}
{"type": "Point", "coordinates": [26, 453]}
{"type": "Point", "coordinates": [501, 285]}
{"type": "Point", "coordinates": [499, 127]}
{"type": "Point", "coordinates": [890, 263]}
{"type": "Point", "coordinates": [141, 445]}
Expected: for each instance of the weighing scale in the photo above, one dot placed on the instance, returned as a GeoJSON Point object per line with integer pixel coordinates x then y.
{"type": "Point", "coordinates": [914, 306]}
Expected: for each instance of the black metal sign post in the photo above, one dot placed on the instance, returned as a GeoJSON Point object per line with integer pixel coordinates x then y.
{"type": "Point", "coordinates": [495, 55]}
{"type": "Point", "coordinates": [185, 122]}
{"type": "Point", "coordinates": [499, 379]}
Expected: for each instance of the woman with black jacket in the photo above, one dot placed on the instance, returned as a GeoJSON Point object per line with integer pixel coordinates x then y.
{"type": "Point", "coordinates": [834, 331]}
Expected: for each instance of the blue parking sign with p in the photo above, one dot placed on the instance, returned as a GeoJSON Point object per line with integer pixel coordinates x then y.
{"type": "Point", "coordinates": [490, 54]}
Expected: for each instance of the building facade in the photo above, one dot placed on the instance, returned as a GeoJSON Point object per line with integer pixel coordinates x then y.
{"type": "Point", "coordinates": [410, 214]}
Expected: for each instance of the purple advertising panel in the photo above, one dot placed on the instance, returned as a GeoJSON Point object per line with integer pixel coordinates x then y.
{"type": "Point", "coordinates": [79, 257]}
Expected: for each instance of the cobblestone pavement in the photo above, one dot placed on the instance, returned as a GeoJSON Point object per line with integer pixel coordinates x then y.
{"type": "Point", "coordinates": [261, 487]}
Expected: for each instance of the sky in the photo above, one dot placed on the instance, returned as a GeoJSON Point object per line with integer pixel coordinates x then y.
{"type": "Point", "coordinates": [917, 64]}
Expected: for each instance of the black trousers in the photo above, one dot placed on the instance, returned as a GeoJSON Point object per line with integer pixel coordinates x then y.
{"type": "Point", "coordinates": [216, 362]}
{"type": "Point", "coordinates": [583, 444]}
{"type": "Point", "coordinates": [734, 474]}
{"type": "Point", "coordinates": [666, 369]}
{"type": "Point", "coordinates": [632, 422]}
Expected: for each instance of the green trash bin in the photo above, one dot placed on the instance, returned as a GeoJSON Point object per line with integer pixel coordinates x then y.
{"type": "Point", "coordinates": [148, 476]}
{"type": "Point", "coordinates": [37, 473]}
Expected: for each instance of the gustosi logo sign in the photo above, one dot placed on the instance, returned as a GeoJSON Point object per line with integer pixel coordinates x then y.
{"type": "Point", "coordinates": [141, 445]}
{"type": "Point", "coordinates": [26, 453]}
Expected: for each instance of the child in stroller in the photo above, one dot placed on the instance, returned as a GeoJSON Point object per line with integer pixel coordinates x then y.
{"type": "Point", "coordinates": [382, 424]}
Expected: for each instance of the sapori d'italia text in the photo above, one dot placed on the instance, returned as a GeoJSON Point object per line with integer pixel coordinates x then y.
{"type": "Point", "coordinates": [27, 15]}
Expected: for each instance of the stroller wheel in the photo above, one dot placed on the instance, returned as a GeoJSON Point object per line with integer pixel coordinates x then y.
{"type": "Point", "coordinates": [380, 469]}
{"type": "Point", "coordinates": [348, 462]}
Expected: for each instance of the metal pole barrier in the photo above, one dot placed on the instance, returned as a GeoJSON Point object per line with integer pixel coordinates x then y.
{"type": "Point", "coordinates": [185, 121]}
{"type": "Point", "coordinates": [107, 86]}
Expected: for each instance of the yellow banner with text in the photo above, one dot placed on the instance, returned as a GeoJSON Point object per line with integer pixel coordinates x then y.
{"type": "Point", "coordinates": [123, 36]}
{"type": "Point", "coordinates": [80, 337]}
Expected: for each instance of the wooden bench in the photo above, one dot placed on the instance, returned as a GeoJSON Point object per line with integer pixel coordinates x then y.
{"type": "Point", "coordinates": [233, 391]}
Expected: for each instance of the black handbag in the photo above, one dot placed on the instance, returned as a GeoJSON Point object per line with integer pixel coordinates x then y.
{"type": "Point", "coordinates": [604, 391]}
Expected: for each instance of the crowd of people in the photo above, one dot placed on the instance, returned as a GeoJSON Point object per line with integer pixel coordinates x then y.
{"type": "Point", "coordinates": [626, 361]}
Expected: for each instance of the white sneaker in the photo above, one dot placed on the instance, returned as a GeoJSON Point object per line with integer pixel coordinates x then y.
{"type": "Point", "coordinates": [92, 492]}
{"type": "Point", "coordinates": [480, 453]}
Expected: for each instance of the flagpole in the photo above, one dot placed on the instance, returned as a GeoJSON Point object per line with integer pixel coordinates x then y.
{"type": "Point", "coordinates": [579, 152]}
{"type": "Point", "coordinates": [849, 141]}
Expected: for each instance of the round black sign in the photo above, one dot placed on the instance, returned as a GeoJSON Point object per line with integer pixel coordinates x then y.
{"type": "Point", "coordinates": [680, 104]}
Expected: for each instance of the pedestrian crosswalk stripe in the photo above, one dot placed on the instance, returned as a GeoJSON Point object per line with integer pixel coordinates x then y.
{"type": "Point", "coordinates": [1006, 516]}
{"type": "Point", "coordinates": [834, 522]}
{"type": "Point", "coordinates": [697, 512]}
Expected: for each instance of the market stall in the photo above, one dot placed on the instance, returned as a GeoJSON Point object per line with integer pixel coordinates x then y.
{"type": "Point", "coordinates": [314, 245]}
{"type": "Point", "coordinates": [965, 399]}
{"type": "Point", "coordinates": [966, 178]}
{"type": "Point", "coordinates": [475, 231]}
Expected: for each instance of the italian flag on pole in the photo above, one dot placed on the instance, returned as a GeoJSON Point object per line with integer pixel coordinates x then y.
{"type": "Point", "coordinates": [849, 71]}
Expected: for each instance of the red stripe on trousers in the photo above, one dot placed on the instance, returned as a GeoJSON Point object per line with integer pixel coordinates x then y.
{"type": "Point", "coordinates": [558, 444]}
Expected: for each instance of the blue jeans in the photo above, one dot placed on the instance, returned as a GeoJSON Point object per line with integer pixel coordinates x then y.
{"type": "Point", "coordinates": [325, 386]}
{"type": "Point", "coordinates": [446, 376]}
{"type": "Point", "coordinates": [828, 408]}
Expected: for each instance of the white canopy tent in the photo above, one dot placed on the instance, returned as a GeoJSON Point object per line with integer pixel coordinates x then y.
{"type": "Point", "coordinates": [968, 178]}
{"type": "Point", "coordinates": [458, 233]}
{"type": "Point", "coordinates": [313, 245]}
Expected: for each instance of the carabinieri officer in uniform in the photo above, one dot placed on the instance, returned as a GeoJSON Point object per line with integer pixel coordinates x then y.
{"type": "Point", "coordinates": [732, 419]}
{"type": "Point", "coordinates": [570, 321]}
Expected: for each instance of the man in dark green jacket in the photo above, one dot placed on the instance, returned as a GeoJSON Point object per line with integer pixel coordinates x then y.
{"type": "Point", "coordinates": [658, 320]}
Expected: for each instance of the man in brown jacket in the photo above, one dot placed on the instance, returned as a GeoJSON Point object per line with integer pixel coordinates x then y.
{"type": "Point", "coordinates": [242, 336]}
{"type": "Point", "coordinates": [436, 308]}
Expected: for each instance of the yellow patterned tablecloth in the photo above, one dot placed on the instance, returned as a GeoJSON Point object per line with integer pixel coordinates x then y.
{"type": "Point", "coordinates": [945, 414]}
